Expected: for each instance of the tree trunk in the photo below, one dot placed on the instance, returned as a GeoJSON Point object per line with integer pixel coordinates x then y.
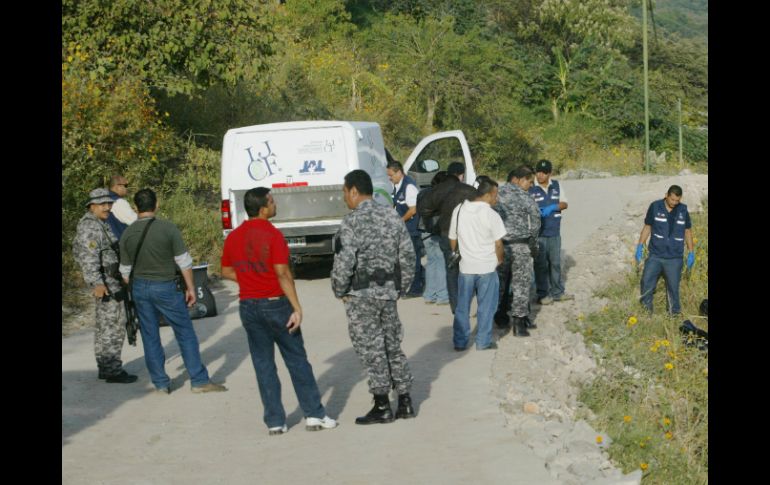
{"type": "Point", "coordinates": [353, 95]}
{"type": "Point", "coordinates": [555, 109]}
{"type": "Point", "coordinates": [431, 112]}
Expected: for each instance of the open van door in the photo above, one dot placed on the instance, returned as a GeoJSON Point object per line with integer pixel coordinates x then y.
{"type": "Point", "coordinates": [435, 153]}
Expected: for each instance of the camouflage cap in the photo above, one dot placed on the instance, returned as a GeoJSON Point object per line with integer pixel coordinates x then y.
{"type": "Point", "coordinates": [99, 196]}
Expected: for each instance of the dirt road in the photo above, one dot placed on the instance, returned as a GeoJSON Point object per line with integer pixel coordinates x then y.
{"type": "Point", "coordinates": [470, 427]}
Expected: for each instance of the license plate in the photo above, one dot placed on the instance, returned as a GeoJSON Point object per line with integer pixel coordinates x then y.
{"type": "Point", "coordinates": [296, 242]}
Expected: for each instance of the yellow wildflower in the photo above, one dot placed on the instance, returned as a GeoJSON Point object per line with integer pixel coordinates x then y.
{"type": "Point", "coordinates": [599, 439]}
{"type": "Point", "coordinates": [632, 321]}
{"type": "Point", "coordinates": [627, 419]}
{"type": "Point", "coordinates": [666, 422]}
{"type": "Point", "coordinates": [643, 466]}
{"type": "Point", "coordinates": [642, 444]}
{"type": "Point", "coordinates": [665, 343]}
{"type": "Point", "coordinates": [669, 366]}
{"type": "Point", "coordinates": [669, 435]}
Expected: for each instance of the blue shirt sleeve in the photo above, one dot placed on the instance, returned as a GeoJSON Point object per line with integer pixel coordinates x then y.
{"type": "Point", "coordinates": [649, 219]}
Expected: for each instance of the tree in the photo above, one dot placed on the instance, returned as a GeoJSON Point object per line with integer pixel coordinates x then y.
{"type": "Point", "coordinates": [173, 45]}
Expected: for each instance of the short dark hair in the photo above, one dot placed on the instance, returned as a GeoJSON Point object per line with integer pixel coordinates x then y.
{"type": "Point", "coordinates": [145, 200]}
{"type": "Point", "coordinates": [360, 180]}
{"type": "Point", "coordinates": [456, 168]}
{"type": "Point", "coordinates": [486, 185]}
{"type": "Point", "coordinates": [522, 172]}
{"type": "Point", "coordinates": [482, 178]}
{"type": "Point", "coordinates": [396, 166]}
{"type": "Point", "coordinates": [675, 189]}
{"type": "Point", "coordinates": [255, 199]}
{"type": "Point", "coordinates": [439, 177]}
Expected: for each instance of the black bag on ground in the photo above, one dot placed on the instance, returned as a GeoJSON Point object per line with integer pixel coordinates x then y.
{"type": "Point", "coordinates": [205, 305]}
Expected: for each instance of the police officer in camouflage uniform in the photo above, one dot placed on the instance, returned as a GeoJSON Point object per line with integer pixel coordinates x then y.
{"type": "Point", "coordinates": [95, 250]}
{"type": "Point", "coordinates": [373, 266]}
{"type": "Point", "coordinates": [521, 217]}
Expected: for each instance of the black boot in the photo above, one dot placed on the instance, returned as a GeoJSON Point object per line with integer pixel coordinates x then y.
{"type": "Point", "coordinates": [121, 377]}
{"type": "Point", "coordinates": [530, 323]}
{"type": "Point", "coordinates": [520, 327]}
{"type": "Point", "coordinates": [405, 409]}
{"type": "Point", "coordinates": [380, 413]}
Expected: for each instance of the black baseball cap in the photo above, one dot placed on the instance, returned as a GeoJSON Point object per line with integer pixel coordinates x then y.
{"type": "Point", "coordinates": [456, 168]}
{"type": "Point", "coordinates": [544, 166]}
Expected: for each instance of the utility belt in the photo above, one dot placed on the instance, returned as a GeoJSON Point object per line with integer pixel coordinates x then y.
{"type": "Point", "coordinates": [519, 240]}
{"type": "Point", "coordinates": [362, 279]}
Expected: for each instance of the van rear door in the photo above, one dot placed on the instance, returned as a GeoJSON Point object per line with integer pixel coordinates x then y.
{"type": "Point", "coordinates": [435, 153]}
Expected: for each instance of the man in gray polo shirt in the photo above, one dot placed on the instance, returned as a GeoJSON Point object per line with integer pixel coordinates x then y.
{"type": "Point", "coordinates": [156, 293]}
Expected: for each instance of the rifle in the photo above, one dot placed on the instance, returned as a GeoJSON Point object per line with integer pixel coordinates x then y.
{"type": "Point", "coordinates": [132, 319]}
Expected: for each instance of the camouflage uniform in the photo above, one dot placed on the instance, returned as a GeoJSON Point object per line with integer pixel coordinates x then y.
{"type": "Point", "coordinates": [92, 238]}
{"type": "Point", "coordinates": [521, 217]}
{"type": "Point", "coordinates": [369, 240]}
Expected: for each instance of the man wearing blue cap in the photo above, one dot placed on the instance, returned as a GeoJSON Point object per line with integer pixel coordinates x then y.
{"type": "Point", "coordinates": [550, 198]}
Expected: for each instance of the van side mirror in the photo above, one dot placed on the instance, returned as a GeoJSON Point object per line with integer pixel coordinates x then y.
{"type": "Point", "coordinates": [429, 165]}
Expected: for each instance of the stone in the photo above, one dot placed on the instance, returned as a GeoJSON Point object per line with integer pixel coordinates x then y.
{"type": "Point", "coordinates": [531, 408]}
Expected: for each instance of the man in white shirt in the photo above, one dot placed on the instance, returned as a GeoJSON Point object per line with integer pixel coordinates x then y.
{"type": "Point", "coordinates": [121, 214]}
{"type": "Point", "coordinates": [478, 231]}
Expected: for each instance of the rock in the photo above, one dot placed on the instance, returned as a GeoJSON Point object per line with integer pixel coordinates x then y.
{"type": "Point", "coordinates": [586, 471]}
{"type": "Point", "coordinates": [686, 171]}
{"type": "Point", "coordinates": [531, 408]}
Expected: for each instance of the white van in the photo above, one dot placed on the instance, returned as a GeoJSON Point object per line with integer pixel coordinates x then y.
{"type": "Point", "coordinates": [305, 162]}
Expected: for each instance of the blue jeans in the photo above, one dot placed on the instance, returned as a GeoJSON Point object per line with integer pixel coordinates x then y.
{"type": "Point", "coordinates": [671, 268]}
{"type": "Point", "coordinates": [548, 267]}
{"type": "Point", "coordinates": [265, 323]}
{"type": "Point", "coordinates": [418, 284]}
{"type": "Point", "coordinates": [155, 298]}
{"type": "Point", "coordinates": [451, 275]}
{"type": "Point", "coordinates": [487, 287]}
{"type": "Point", "coordinates": [435, 272]}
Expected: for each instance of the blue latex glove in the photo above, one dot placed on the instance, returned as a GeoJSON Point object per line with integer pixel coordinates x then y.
{"type": "Point", "coordinates": [690, 259]}
{"type": "Point", "coordinates": [639, 249]}
{"type": "Point", "coordinates": [549, 209]}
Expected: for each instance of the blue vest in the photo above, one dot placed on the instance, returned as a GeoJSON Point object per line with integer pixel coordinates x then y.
{"type": "Point", "coordinates": [667, 237]}
{"type": "Point", "coordinates": [399, 201]}
{"type": "Point", "coordinates": [551, 224]}
{"type": "Point", "coordinates": [112, 221]}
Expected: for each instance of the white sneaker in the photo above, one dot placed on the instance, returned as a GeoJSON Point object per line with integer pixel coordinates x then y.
{"type": "Point", "coordinates": [278, 430]}
{"type": "Point", "coordinates": [317, 424]}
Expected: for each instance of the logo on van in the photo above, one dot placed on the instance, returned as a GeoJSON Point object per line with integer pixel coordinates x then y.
{"type": "Point", "coordinates": [263, 165]}
{"type": "Point", "coordinates": [314, 166]}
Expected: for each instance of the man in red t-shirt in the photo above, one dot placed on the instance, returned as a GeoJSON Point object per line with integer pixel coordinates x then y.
{"type": "Point", "coordinates": [257, 257]}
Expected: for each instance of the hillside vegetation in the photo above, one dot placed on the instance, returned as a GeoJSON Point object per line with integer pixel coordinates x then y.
{"type": "Point", "coordinates": [149, 88]}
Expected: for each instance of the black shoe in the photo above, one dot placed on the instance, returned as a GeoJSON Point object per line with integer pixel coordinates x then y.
{"type": "Point", "coordinates": [530, 323]}
{"type": "Point", "coordinates": [520, 327]}
{"type": "Point", "coordinates": [502, 322]}
{"type": "Point", "coordinates": [380, 413]}
{"type": "Point", "coordinates": [460, 349]}
{"type": "Point", "coordinates": [405, 409]}
{"type": "Point", "coordinates": [122, 377]}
